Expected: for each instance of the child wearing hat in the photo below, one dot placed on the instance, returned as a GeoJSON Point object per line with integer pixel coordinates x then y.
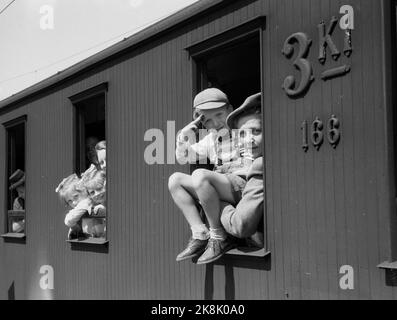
{"type": "Point", "coordinates": [206, 187]}
{"type": "Point", "coordinates": [243, 220]}
{"type": "Point", "coordinates": [17, 183]}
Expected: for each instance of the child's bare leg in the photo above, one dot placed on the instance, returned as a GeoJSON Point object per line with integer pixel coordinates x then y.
{"type": "Point", "coordinates": [212, 188]}
{"type": "Point", "coordinates": [185, 197]}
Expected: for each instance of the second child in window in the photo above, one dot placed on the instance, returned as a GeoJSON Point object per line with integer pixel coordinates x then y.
{"type": "Point", "coordinates": [95, 184]}
{"type": "Point", "coordinates": [17, 183]}
{"type": "Point", "coordinates": [76, 197]}
{"type": "Point", "coordinates": [84, 201]}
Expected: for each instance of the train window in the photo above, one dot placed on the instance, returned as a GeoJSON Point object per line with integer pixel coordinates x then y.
{"type": "Point", "coordinates": [15, 163]}
{"type": "Point", "coordinates": [231, 62]}
{"type": "Point", "coordinates": [90, 167]}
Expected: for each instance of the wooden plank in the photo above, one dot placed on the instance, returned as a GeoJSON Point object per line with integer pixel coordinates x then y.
{"type": "Point", "coordinates": [253, 252]}
{"type": "Point", "coordinates": [94, 241]}
{"type": "Point", "coordinates": [388, 265]}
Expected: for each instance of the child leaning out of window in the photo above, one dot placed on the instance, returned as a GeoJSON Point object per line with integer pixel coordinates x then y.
{"type": "Point", "coordinates": [95, 183]}
{"type": "Point", "coordinates": [73, 191]}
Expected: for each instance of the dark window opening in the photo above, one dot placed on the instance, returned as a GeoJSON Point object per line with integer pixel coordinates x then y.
{"type": "Point", "coordinates": [16, 204]}
{"type": "Point", "coordinates": [235, 69]}
{"type": "Point", "coordinates": [91, 129]}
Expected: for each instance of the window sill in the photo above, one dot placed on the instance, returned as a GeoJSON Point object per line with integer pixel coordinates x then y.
{"type": "Point", "coordinates": [390, 272]}
{"type": "Point", "coordinates": [388, 265]}
{"type": "Point", "coordinates": [252, 252]}
{"type": "Point", "coordinates": [95, 241]}
{"type": "Point", "coordinates": [13, 236]}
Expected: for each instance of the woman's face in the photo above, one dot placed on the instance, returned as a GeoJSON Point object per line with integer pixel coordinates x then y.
{"type": "Point", "coordinates": [250, 132]}
{"type": "Point", "coordinates": [101, 154]}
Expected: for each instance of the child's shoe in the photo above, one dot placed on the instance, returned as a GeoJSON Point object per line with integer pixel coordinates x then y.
{"type": "Point", "coordinates": [194, 248]}
{"type": "Point", "coordinates": [216, 249]}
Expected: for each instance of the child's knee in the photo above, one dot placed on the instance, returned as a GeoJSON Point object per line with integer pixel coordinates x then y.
{"type": "Point", "coordinates": [175, 181]}
{"type": "Point", "coordinates": [200, 178]}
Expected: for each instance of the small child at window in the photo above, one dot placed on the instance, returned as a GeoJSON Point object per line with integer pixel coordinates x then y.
{"type": "Point", "coordinates": [95, 184]}
{"type": "Point", "coordinates": [84, 196]}
{"type": "Point", "coordinates": [76, 197]}
{"type": "Point", "coordinates": [17, 183]}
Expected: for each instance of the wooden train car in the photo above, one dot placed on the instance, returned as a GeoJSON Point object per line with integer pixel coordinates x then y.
{"type": "Point", "coordinates": [326, 70]}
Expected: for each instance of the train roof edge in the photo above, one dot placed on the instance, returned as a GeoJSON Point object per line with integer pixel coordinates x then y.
{"type": "Point", "coordinates": [159, 28]}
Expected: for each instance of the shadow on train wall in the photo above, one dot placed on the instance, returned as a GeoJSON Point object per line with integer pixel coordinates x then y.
{"type": "Point", "coordinates": [229, 263]}
{"type": "Point", "coordinates": [11, 292]}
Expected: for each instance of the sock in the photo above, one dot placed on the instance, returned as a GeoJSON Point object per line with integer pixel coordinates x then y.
{"type": "Point", "coordinates": [218, 234]}
{"type": "Point", "coordinates": [200, 232]}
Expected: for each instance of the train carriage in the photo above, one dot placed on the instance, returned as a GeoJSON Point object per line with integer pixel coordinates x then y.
{"type": "Point", "coordinates": [326, 71]}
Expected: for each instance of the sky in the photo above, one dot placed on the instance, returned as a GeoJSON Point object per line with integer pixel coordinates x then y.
{"type": "Point", "coordinates": [38, 38]}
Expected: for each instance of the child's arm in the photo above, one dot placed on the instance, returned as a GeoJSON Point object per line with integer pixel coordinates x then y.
{"type": "Point", "coordinates": [74, 215]}
{"type": "Point", "coordinates": [191, 153]}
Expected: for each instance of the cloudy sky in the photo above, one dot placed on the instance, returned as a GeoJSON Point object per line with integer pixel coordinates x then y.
{"type": "Point", "coordinates": [34, 47]}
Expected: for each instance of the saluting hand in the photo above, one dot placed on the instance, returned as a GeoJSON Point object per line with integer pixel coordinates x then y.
{"type": "Point", "coordinates": [191, 127]}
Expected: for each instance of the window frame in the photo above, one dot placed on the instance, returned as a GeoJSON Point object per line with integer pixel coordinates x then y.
{"type": "Point", "coordinates": [101, 89]}
{"type": "Point", "coordinates": [22, 120]}
{"type": "Point", "coordinates": [241, 33]}
{"type": "Point", "coordinates": [390, 28]}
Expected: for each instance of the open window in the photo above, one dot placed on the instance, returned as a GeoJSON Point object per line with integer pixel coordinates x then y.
{"type": "Point", "coordinates": [15, 182]}
{"type": "Point", "coordinates": [232, 62]}
{"type": "Point", "coordinates": [90, 135]}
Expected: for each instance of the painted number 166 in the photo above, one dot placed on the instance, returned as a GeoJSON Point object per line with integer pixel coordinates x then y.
{"type": "Point", "coordinates": [317, 134]}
